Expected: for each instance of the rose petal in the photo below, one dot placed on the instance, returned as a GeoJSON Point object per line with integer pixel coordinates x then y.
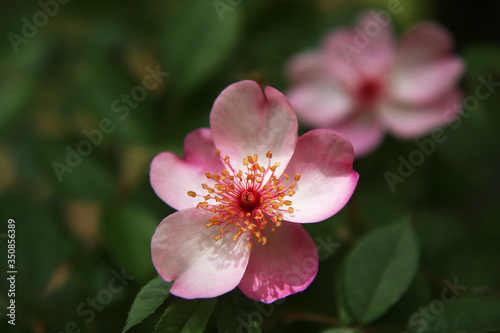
{"type": "Point", "coordinates": [285, 265]}
{"type": "Point", "coordinates": [364, 131]}
{"type": "Point", "coordinates": [246, 121]}
{"type": "Point", "coordinates": [425, 42]}
{"type": "Point", "coordinates": [339, 52]}
{"type": "Point", "coordinates": [320, 104]}
{"type": "Point", "coordinates": [184, 250]}
{"type": "Point", "coordinates": [424, 68]}
{"type": "Point", "coordinates": [375, 40]}
{"type": "Point", "coordinates": [366, 50]}
{"type": "Point", "coordinates": [305, 66]}
{"type": "Point", "coordinates": [408, 122]}
{"type": "Point", "coordinates": [323, 158]}
{"type": "Point", "coordinates": [172, 177]}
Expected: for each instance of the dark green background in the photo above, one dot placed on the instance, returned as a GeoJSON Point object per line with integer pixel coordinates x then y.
{"type": "Point", "coordinates": [72, 234]}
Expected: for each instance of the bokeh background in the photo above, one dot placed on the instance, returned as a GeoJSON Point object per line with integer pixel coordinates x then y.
{"type": "Point", "coordinates": [76, 230]}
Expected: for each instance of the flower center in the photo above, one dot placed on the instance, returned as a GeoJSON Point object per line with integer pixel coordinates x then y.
{"type": "Point", "coordinates": [249, 201]}
{"type": "Point", "coordinates": [368, 92]}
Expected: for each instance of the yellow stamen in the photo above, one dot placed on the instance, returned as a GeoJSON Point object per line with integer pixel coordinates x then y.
{"type": "Point", "coordinates": [226, 189]}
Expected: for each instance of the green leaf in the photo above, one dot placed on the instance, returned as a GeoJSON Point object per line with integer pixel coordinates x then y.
{"type": "Point", "coordinates": [151, 296]}
{"type": "Point", "coordinates": [186, 316]}
{"type": "Point", "coordinates": [197, 41]}
{"type": "Point", "coordinates": [379, 270]}
{"type": "Point", "coordinates": [343, 312]}
{"type": "Point", "coordinates": [342, 330]}
{"type": "Point", "coordinates": [465, 315]}
{"type": "Point", "coordinates": [235, 311]}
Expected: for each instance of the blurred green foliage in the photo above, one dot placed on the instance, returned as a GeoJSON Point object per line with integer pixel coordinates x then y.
{"type": "Point", "coordinates": [80, 219]}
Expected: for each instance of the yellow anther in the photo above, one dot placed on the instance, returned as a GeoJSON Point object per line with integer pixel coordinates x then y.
{"type": "Point", "coordinates": [297, 177]}
{"type": "Point", "coordinates": [227, 210]}
{"type": "Point", "coordinates": [235, 237]}
{"type": "Point", "coordinates": [286, 176]}
{"type": "Point", "coordinates": [218, 153]}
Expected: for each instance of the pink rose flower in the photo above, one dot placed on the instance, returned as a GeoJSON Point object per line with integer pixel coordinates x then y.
{"type": "Point", "coordinates": [241, 190]}
{"type": "Point", "coordinates": [362, 85]}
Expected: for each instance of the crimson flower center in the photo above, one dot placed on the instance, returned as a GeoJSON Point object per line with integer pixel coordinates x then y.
{"type": "Point", "coordinates": [249, 200]}
{"type": "Point", "coordinates": [369, 92]}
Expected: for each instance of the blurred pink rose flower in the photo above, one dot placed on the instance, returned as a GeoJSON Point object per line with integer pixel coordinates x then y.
{"type": "Point", "coordinates": [362, 84]}
{"type": "Point", "coordinates": [242, 189]}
